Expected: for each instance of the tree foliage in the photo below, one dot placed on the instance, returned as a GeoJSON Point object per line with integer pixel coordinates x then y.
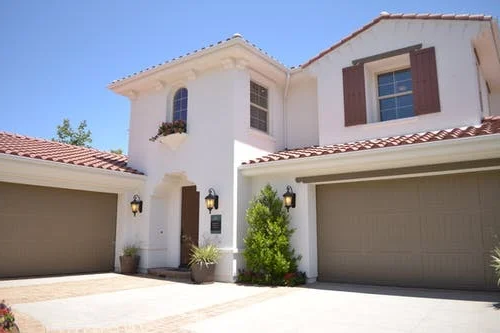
{"type": "Point", "coordinates": [118, 151]}
{"type": "Point", "coordinates": [267, 244]}
{"type": "Point", "coordinates": [79, 137]}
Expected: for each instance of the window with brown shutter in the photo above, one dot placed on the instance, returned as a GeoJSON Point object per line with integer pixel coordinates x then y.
{"type": "Point", "coordinates": [354, 95]}
{"type": "Point", "coordinates": [425, 82]}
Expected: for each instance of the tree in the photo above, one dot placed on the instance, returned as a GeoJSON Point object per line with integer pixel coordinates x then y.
{"type": "Point", "coordinates": [118, 151]}
{"type": "Point", "coordinates": [267, 244]}
{"type": "Point", "coordinates": [80, 137]}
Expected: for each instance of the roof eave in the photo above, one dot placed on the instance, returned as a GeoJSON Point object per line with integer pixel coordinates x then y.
{"type": "Point", "coordinates": [453, 150]}
{"type": "Point", "coordinates": [118, 85]}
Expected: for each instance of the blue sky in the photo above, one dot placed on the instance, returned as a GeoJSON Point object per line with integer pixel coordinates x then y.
{"type": "Point", "coordinates": [57, 57]}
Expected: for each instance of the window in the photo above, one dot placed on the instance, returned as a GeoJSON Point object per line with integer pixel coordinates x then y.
{"type": "Point", "coordinates": [395, 95]}
{"type": "Point", "coordinates": [377, 88]}
{"type": "Point", "coordinates": [180, 105]}
{"type": "Point", "coordinates": [258, 107]}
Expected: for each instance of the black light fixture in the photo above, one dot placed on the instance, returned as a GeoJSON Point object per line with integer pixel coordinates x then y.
{"type": "Point", "coordinates": [136, 204]}
{"type": "Point", "coordinates": [212, 200]}
{"type": "Point", "coordinates": [289, 198]}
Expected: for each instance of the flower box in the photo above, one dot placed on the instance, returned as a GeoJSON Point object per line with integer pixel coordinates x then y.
{"type": "Point", "coordinates": [171, 134]}
{"type": "Point", "coordinates": [173, 141]}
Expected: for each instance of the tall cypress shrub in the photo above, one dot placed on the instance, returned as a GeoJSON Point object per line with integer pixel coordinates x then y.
{"type": "Point", "coordinates": [267, 245]}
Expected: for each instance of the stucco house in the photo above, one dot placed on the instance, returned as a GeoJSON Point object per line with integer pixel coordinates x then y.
{"type": "Point", "coordinates": [390, 140]}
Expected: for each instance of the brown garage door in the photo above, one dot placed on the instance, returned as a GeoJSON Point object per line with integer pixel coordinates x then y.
{"type": "Point", "coordinates": [47, 230]}
{"type": "Point", "coordinates": [429, 231]}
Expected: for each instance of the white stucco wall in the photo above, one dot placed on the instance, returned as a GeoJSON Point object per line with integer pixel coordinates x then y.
{"type": "Point", "coordinates": [219, 140]}
{"type": "Point", "coordinates": [302, 113]}
{"type": "Point", "coordinates": [457, 78]}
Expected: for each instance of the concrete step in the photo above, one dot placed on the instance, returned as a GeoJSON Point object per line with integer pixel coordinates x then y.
{"type": "Point", "coordinates": [173, 273]}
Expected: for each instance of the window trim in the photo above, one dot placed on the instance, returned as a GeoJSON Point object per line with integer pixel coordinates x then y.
{"type": "Point", "coordinates": [258, 82]}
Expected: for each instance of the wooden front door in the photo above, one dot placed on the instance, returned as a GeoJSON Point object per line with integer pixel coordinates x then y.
{"type": "Point", "coordinates": [189, 221]}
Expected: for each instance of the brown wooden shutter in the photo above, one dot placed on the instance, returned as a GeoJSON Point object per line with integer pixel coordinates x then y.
{"type": "Point", "coordinates": [354, 95]}
{"type": "Point", "coordinates": [425, 82]}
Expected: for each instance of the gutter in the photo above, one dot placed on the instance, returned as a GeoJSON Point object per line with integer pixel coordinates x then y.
{"type": "Point", "coordinates": [72, 167]}
{"type": "Point", "coordinates": [462, 149]}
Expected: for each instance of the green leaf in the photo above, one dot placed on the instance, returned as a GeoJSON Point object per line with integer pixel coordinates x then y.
{"type": "Point", "coordinates": [80, 137]}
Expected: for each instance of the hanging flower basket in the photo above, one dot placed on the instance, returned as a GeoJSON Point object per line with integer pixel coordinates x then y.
{"type": "Point", "coordinates": [173, 134]}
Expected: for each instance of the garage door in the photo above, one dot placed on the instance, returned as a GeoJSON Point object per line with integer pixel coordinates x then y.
{"type": "Point", "coordinates": [429, 231]}
{"type": "Point", "coordinates": [47, 230]}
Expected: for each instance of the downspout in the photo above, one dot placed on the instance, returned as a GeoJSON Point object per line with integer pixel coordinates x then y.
{"type": "Point", "coordinates": [285, 118]}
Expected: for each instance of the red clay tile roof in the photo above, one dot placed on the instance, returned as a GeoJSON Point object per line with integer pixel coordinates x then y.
{"type": "Point", "coordinates": [235, 36]}
{"type": "Point", "coordinates": [19, 145]}
{"type": "Point", "coordinates": [490, 125]}
{"type": "Point", "coordinates": [382, 16]}
{"type": "Point", "coordinates": [387, 16]}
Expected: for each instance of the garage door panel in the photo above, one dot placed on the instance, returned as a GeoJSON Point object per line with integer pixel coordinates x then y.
{"type": "Point", "coordinates": [55, 231]}
{"type": "Point", "coordinates": [453, 269]}
{"type": "Point", "coordinates": [429, 231]}
{"type": "Point", "coordinates": [383, 268]}
{"type": "Point", "coordinates": [394, 232]}
{"type": "Point", "coordinates": [489, 273]}
{"type": "Point", "coordinates": [488, 186]}
{"type": "Point", "coordinates": [450, 192]}
{"type": "Point", "coordinates": [490, 228]}
{"type": "Point", "coordinates": [347, 238]}
{"type": "Point", "coordinates": [451, 231]}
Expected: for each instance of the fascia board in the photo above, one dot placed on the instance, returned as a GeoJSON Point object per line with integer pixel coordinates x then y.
{"type": "Point", "coordinates": [455, 150]}
{"type": "Point", "coordinates": [30, 171]}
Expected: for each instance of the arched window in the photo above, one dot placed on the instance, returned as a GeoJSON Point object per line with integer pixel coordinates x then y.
{"type": "Point", "coordinates": [180, 104]}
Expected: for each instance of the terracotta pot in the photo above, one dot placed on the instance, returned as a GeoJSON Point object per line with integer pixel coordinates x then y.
{"type": "Point", "coordinates": [201, 273]}
{"type": "Point", "coordinates": [129, 264]}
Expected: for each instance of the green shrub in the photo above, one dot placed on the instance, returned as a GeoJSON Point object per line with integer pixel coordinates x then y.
{"type": "Point", "coordinates": [289, 279]}
{"type": "Point", "coordinates": [130, 250]}
{"type": "Point", "coordinates": [495, 262]}
{"type": "Point", "coordinates": [267, 253]}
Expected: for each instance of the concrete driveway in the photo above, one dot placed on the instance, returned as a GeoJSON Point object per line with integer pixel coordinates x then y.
{"type": "Point", "coordinates": [118, 303]}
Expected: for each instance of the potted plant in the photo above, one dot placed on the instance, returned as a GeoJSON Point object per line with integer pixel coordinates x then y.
{"type": "Point", "coordinates": [495, 262]}
{"type": "Point", "coordinates": [129, 261]}
{"type": "Point", "coordinates": [203, 262]}
{"type": "Point", "coordinates": [7, 320]}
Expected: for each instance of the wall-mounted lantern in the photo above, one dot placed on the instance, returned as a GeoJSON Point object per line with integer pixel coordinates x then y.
{"type": "Point", "coordinates": [289, 198]}
{"type": "Point", "coordinates": [212, 200]}
{"type": "Point", "coordinates": [136, 204]}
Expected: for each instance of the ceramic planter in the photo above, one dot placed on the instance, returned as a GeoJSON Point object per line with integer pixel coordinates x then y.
{"type": "Point", "coordinates": [129, 264]}
{"type": "Point", "coordinates": [202, 273]}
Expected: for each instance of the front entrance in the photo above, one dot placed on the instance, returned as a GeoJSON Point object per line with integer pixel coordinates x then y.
{"type": "Point", "coordinates": [189, 222]}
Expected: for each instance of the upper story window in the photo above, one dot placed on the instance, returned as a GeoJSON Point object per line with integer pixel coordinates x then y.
{"type": "Point", "coordinates": [180, 105]}
{"type": "Point", "coordinates": [395, 96]}
{"type": "Point", "coordinates": [259, 108]}
{"type": "Point", "coordinates": [376, 88]}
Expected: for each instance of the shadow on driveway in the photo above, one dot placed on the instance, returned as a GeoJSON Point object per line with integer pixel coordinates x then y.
{"type": "Point", "coordinates": [459, 295]}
